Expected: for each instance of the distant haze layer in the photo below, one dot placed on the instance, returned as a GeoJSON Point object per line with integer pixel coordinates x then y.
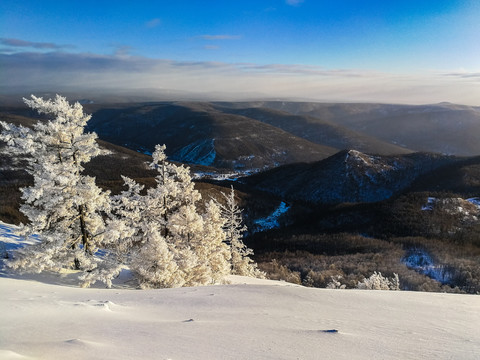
{"type": "Point", "coordinates": [61, 72]}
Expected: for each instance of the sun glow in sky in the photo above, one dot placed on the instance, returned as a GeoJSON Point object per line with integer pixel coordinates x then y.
{"type": "Point", "coordinates": [346, 50]}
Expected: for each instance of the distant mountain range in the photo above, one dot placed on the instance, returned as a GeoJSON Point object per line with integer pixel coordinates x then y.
{"type": "Point", "coordinates": [263, 135]}
{"type": "Point", "coordinates": [444, 128]}
{"type": "Point", "coordinates": [198, 133]}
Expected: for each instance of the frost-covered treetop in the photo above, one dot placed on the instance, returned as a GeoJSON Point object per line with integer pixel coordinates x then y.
{"type": "Point", "coordinates": [63, 111]}
{"type": "Point", "coordinates": [63, 132]}
{"type": "Point", "coordinates": [159, 155]}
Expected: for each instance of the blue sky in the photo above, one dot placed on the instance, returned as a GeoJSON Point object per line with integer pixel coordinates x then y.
{"type": "Point", "coordinates": [344, 50]}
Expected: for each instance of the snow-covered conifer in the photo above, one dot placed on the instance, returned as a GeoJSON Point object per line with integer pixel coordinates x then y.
{"type": "Point", "coordinates": [122, 232]}
{"type": "Point", "coordinates": [216, 251]}
{"type": "Point", "coordinates": [171, 208]}
{"type": "Point", "coordinates": [234, 229]}
{"type": "Point", "coordinates": [63, 206]}
{"type": "Point", "coordinates": [379, 282]}
{"type": "Point", "coordinates": [185, 232]}
{"type": "Point", "coordinates": [174, 189]}
{"type": "Point", "coordinates": [154, 263]}
{"type": "Point", "coordinates": [335, 283]}
{"type": "Point", "coordinates": [126, 214]}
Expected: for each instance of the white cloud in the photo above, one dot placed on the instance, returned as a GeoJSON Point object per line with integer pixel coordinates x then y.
{"type": "Point", "coordinates": [219, 37]}
{"type": "Point", "coordinates": [464, 75]}
{"type": "Point", "coordinates": [294, 2]}
{"type": "Point", "coordinates": [211, 47]}
{"type": "Point", "coordinates": [63, 71]}
{"type": "Point", "coordinates": [122, 50]}
{"type": "Point", "coordinates": [32, 44]}
{"type": "Point", "coordinates": [153, 23]}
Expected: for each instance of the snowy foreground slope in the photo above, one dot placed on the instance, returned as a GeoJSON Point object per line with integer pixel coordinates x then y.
{"type": "Point", "coordinates": [258, 320]}
{"type": "Point", "coordinates": [46, 316]}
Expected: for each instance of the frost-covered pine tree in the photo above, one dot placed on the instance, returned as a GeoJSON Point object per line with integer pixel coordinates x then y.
{"type": "Point", "coordinates": [379, 282]}
{"type": "Point", "coordinates": [174, 189]}
{"type": "Point", "coordinates": [125, 217]}
{"type": "Point", "coordinates": [185, 233]}
{"type": "Point", "coordinates": [217, 253]}
{"type": "Point", "coordinates": [63, 206]}
{"type": "Point", "coordinates": [139, 223]}
{"type": "Point", "coordinates": [204, 236]}
{"type": "Point", "coordinates": [177, 248]}
{"type": "Point", "coordinates": [161, 204]}
{"type": "Point", "coordinates": [154, 261]}
{"type": "Point", "coordinates": [241, 263]}
{"type": "Point", "coordinates": [122, 228]}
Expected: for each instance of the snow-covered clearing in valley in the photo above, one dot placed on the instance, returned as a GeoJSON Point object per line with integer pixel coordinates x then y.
{"type": "Point", "coordinates": [271, 221]}
{"type": "Point", "coordinates": [43, 317]}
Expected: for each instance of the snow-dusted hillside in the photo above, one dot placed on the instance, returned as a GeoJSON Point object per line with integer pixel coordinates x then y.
{"type": "Point", "coordinates": [45, 317]}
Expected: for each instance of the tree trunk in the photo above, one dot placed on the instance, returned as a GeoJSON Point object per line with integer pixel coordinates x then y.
{"type": "Point", "coordinates": [85, 240]}
{"type": "Point", "coordinates": [83, 229]}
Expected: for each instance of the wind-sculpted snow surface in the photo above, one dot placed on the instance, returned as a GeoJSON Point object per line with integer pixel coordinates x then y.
{"type": "Point", "coordinates": [44, 316]}
{"type": "Point", "coordinates": [250, 319]}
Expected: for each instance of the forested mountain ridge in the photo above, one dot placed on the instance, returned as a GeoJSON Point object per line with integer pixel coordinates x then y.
{"type": "Point", "coordinates": [348, 176]}
{"type": "Point", "coordinates": [444, 128]}
{"type": "Point", "coordinates": [198, 134]}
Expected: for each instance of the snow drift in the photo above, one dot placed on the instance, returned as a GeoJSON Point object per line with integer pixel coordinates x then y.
{"type": "Point", "coordinates": [251, 319]}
